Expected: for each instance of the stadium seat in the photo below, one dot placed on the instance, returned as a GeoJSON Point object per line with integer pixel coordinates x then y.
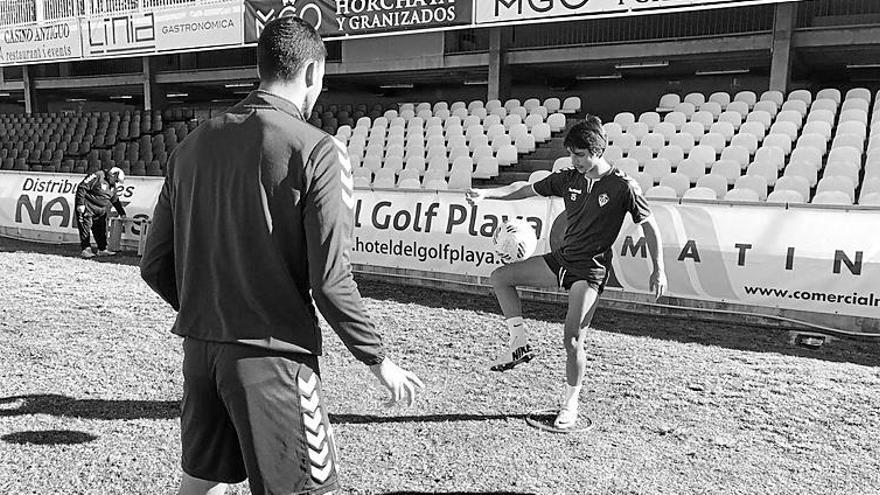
{"type": "Point", "coordinates": [676, 181]}
{"type": "Point", "coordinates": [774, 96]}
{"type": "Point", "coordinates": [638, 130]}
{"type": "Point", "coordinates": [829, 93]}
{"type": "Point", "coordinates": [768, 107]}
{"type": "Point", "coordinates": [644, 179]}
{"type": "Point", "coordinates": [731, 169]}
{"type": "Point", "coordinates": [733, 118]}
{"type": "Point", "coordinates": [726, 129]}
{"type": "Point", "coordinates": [847, 154]}
{"type": "Point", "coordinates": [814, 141]}
{"type": "Point", "coordinates": [747, 141]}
{"type": "Point", "coordinates": [532, 120]}
{"type": "Point", "coordinates": [507, 155]}
{"type": "Point", "coordinates": [613, 153]}
{"type": "Point", "coordinates": [688, 109]}
{"type": "Point", "coordinates": [807, 154]}
{"type": "Point", "coordinates": [512, 120]}
{"type": "Point", "coordinates": [760, 116]}
{"type": "Point", "coordinates": [717, 183]}
{"type": "Point", "coordinates": [870, 199]}
{"type": "Point", "coordinates": [858, 94]}
{"type": "Point", "coordinates": [702, 153]}
{"type": "Point", "coordinates": [384, 179]}
{"type": "Point", "coordinates": [409, 183]}
{"type": "Point", "coordinates": [668, 102]}
{"type": "Point", "coordinates": [525, 143]}
{"type": "Point", "coordinates": [696, 99]}
{"type": "Point", "coordinates": [665, 129]}
{"type": "Point", "coordinates": [798, 106]}
{"type": "Point", "coordinates": [781, 141]}
{"type": "Point", "coordinates": [673, 153]}
{"type": "Point", "coordinates": [654, 141]}
{"type": "Point", "coordinates": [677, 119]}
{"type": "Point", "coordinates": [747, 97]}
{"type": "Point", "coordinates": [700, 193]}
{"type": "Point", "coordinates": [556, 122]}
{"type": "Point", "coordinates": [416, 163]}
{"type": "Point", "coordinates": [642, 154]}
{"type": "Point", "coordinates": [744, 195]}
{"type": "Point", "coordinates": [692, 169]}
{"type": "Point", "coordinates": [629, 166]}
{"type": "Point", "coordinates": [740, 107]}
{"type": "Point", "coordinates": [821, 116]}
{"type": "Point", "coordinates": [461, 173]}
{"type": "Point", "coordinates": [837, 183]}
{"type": "Point", "coordinates": [802, 95]}
{"type": "Point", "coordinates": [715, 141]}
{"type": "Point", "coordinates": [655, 192]}
{"type": "Point", "coordinates": [755, 183]}
{"type": "Point", "coordinates": [855, 104]}
{"type": "Point", "coordinates": [785, 196]}
{"type": "Point", "coordinates": [552, 105]}
{"type": "Point", "coordinates": [854, 115]}
{"type": "Point", "coordinates": [831, 198]}
{"type": "Point", "coordinates": [624, 119]}
{"type": "Point", "coordinates": [787, 128]}
{"type": "Point", "coordinates": [713, 108]}
{"type": "Point", "coordinates": [855, 128]}
{"type": "Point", "coordinates": [531, 103]}
{"type": "Point", "coordinates": [694, 129]}
{"type": "Point", "coordinates": [572, 104]}
{"type": "Point", "coordinates": [625, 142]}
{"type": "Point", "coordinates": [657, 167]}
{"type": "Point", "coordinates": [613, 130]}
{"type": "Point", "coordinates": [487, 168]}
{"type": "Point", "coordinates": [816, 127]}
{"type": "Point", "coordinates": [703, 117]}
{"type": "Point", "coordinates": [802, 170]}
{"type": "Point", "coordinates": [794, 183]}
{"type": "Point", "coordinates": [438, 184]}
{"type": "Point", "coordinates": [720, 97]}
{"type": "Point", "coordinates": [651, 119]}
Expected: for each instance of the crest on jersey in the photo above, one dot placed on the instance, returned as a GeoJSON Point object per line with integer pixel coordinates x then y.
{"type": "Point", "coordinates": [603, 199]}
{"type": "Point", "coordinates": [574, 193]}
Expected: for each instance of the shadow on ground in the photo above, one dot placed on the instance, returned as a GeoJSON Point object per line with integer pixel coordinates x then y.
{"type": "Point", "coordinates": [61, 405]}
{"type": "Point", "coordinates": [49, 437]}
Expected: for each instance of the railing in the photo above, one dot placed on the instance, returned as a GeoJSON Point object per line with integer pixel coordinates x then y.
{"type": "Point", "coordinates": [657, 27]}
{"type": "Point", "coordinates": [17, 12]}
{"type": "Point", "coordinates": [826, 13]}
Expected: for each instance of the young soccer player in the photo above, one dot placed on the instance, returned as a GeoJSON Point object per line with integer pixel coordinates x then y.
{"type": "Point", "coordinates": [597, 197]}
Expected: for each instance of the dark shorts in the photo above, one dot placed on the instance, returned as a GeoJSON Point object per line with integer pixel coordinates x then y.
{"type": "Point", "coordinates": [596, 277]}
{"type": "Point", "coordinates": [254, 413]}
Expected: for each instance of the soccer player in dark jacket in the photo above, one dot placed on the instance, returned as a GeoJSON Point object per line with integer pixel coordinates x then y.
{"type": "Point", "coordinates": [252, 230]}
{"type": "Point", "coordinates": [94, 196]}
{"type": "Point", "coordinates": [597, 197]}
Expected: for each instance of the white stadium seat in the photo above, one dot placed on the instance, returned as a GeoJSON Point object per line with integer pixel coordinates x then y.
{"type": "Point", "coordinates": [785, 196]}
{"type": "Point", "coordinates": [700, 193]}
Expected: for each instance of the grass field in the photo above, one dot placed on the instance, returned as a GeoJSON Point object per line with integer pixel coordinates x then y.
{"type": "Point", "coordinates": [90, 383]}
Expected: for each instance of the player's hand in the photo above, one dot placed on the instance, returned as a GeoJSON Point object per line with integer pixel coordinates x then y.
{"type": "Point", "coordinates": [81, 209]}
{"type": "Point", "coordinates": [401, 383]}
{"type": "Point", "coordinates": [474, 196]}
{"type": "Point", "coordinates": [658, 283]}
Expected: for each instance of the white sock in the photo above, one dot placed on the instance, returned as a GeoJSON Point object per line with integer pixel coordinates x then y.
{"type": "Point", "coordinates": [572, 397]}
{"type": "Point", "coordinates": [516, 329]}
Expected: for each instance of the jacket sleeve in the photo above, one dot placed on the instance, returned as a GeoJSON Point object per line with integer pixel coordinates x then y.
{"type": "Point", "coordinates": [157, 263]}
{"type": "Point", "coordinates": [328, 222]}
{"type": "Point", "coordinates": [117, 204]}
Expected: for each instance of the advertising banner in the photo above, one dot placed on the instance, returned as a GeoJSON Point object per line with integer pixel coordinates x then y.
{"type": "Point", "coordinates": [165, 30]}
{"type": "Point", "coordinates": [436, 232]}
{"type": "Point", "coordinates": [490, 11]}
{"type": "Point", "coordinates": [818, 260]}
{"type": "Point", "coordinates": [342, 18]}
{"type": "Point", "coordinates": [42, 42]}
{"type": "Point", "coordinates": [45, 202]}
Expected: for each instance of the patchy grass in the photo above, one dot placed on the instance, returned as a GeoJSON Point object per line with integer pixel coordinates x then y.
{"type": "Point", "coordinates": [90, 382]}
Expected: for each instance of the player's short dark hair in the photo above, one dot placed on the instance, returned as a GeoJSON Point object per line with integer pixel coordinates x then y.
{"type": "Point", "coordinates": [286, 45]}
{"type": "Point", "coordinates": [587, 135]}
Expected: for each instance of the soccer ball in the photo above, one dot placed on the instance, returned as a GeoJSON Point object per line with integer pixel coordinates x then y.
{"type": "Point", "coordinates": [514, 240]}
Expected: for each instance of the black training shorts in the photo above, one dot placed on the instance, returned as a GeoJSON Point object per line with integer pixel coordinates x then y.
{"type": "Point", "coordinates": [595, 276]}
{"type": "Point", "coordinates": [254, 413]}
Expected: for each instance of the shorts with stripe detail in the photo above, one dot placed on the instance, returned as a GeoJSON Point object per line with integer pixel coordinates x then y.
{"type": "Point", "coordinates": [255, 413]}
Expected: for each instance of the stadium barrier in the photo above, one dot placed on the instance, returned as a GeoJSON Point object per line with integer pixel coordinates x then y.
{"type": "Point", "coordinates": [806, 264]}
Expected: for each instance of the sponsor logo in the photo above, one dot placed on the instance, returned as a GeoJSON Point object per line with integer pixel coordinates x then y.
{"type": "Point", "coordinates": [603, 199]}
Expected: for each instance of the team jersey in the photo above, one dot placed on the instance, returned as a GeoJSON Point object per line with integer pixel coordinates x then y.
{"type": "Point", "coordinates": [594, 209]}
{"type": "Point", "coordinates": [97, 195]}
{"type": "Point", "coordinates": [253, 228]}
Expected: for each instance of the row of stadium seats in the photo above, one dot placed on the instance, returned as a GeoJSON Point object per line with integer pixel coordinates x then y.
{"type": "Point", "coordinates": [419, 144]}
{"type": "Point", "coordinates": [750, 137]}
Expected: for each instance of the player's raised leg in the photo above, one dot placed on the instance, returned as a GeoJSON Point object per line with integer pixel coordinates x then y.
{"type": "Point", "coordinates": [532, 272]}
{"type": "Point", "coordinates": [582, 303]}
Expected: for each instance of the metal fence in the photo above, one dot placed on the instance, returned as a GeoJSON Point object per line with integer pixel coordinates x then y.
{"type": "Point", "coordinates": [17, 12]}
{"type": "Point", "coordinates": [14, 12]}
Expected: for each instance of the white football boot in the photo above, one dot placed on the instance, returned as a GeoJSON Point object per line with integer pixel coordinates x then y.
{"type": "Point", "coordinates": [516, 353]}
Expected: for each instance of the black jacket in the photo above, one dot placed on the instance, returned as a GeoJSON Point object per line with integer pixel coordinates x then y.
{"type": "Point", "coordinates": [253, 223]}
{"type": "Point", "coordinates": [96, 194]}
